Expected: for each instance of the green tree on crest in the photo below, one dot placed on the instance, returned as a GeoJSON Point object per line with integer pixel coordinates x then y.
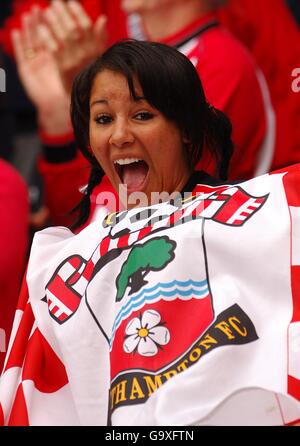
{"type": "Point", "coordinates": [153, 255]}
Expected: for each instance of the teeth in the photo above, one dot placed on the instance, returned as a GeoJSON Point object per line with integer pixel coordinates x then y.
{"type": "Point", "coordinates": [124, 161]}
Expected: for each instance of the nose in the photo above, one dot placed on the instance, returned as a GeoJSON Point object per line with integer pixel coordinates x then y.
{"type": "Point", "coordinates": [121, 135]}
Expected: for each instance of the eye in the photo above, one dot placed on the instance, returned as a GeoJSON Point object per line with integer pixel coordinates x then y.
{"type": "Point", "coordinates": [103, 119]}
{"type": "Point", "coordinates": [144, 116]}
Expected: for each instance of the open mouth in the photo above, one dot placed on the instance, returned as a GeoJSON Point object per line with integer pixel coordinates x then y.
{"type": "Point", "coordinates": [132, 172]}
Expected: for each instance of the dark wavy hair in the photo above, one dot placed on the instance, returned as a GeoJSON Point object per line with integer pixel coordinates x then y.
{"type": "Point", "coordinates": [170, 83]}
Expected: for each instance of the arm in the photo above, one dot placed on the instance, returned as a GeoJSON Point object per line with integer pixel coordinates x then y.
{"type": "Point", "coordinates": [64, 171]}
{"type": "Point", "coordinates": [40, 77]}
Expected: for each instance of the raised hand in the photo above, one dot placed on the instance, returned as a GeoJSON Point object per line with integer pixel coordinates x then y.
{"type": "Point", "coordinates": [39, 74]}
{"type": "Point", "coordinates": [72, 38]}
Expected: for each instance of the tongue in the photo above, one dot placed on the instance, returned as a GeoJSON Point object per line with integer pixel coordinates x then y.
{"type": "Point", "coordinates": [134, 174]}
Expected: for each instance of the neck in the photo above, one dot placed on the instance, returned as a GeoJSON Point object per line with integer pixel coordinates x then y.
{"type": "Point", "coordinates": [167, 20]}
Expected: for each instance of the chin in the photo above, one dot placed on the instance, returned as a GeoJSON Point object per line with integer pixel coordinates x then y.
{"type": "Point", "coordinates": [131, 6]}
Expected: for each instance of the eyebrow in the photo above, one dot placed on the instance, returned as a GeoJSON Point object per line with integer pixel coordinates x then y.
{"type": "Point", "coordinates": [104, 101]}
{"type": "Point", "coordinates": [99, 101]}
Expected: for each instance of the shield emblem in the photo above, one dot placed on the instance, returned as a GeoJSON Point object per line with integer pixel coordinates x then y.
{"type": "Point", "coordinates": [66, 288]}
{"type": "Point", "coordinates": [147, 341]}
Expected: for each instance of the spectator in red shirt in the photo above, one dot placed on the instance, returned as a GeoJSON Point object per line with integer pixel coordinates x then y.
{"type": "Point", "coordinates": [13, 244]}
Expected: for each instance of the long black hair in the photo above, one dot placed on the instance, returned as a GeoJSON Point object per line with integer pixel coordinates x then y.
{"type": "Point", "coordinates": [170, 83]}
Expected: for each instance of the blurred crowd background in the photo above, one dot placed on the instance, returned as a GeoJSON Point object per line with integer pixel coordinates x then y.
{"type": "Point", "coordinates": [40, 170]}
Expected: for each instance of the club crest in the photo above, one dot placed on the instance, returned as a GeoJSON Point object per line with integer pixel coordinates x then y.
{"type": "Point", "coordinates": [155, 305]}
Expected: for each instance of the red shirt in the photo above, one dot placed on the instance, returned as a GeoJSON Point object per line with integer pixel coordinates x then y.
{"type": "Point", "coordinates": [13, 244]}
{"type": "Point", "coordinates": [268, 29]}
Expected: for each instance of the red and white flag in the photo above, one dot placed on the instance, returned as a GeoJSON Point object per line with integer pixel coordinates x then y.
{"type": "Point", "coordinates": [183, 313]}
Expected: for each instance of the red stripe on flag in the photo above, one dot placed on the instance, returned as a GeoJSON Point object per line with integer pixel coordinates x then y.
{"type": "Point", "coordinates": [295, 276]}
{"type": "Point", "coordinates": [54, 309]}
{"type": "Point", "coordinates": [232, 205]}
{"type": "Point", "coordinates": [19, 413]}
{"type": "Point", "coordinates": [175, 217]}
{"type": "Point", "coordinates": [75, 262]}
{"type": "Point", "coordinates": [62, 317]}
{"type": "Point", "coordinates": [294, 423]}
{"type": "Point", "coordinates": [42, 365]}
{"type": "Point", "coordinates": [294, 387]}
{"type": "Point", "coordinates": [144, 232]}
{"type": "Point", "coordinates": [88, 270]}
{"type": "Point", "coordinates": [1, 416]}
{"type": "Point", "coordinates": [74, 278]}
{"type": "Point", "coordinates": [291, 182]}
{"type": "Point", "coordinates": [292, 168]}
{"type": "Point", "coordinates": [123, 241]}
{"type": "Point", "coordinates": [24, 295]}
{"type": "Point", "coordinates": [19, 347]}
{"type": "Point", "coordinates": [104, 246]}
{"type": "Point", "coordinates": [64, 294]}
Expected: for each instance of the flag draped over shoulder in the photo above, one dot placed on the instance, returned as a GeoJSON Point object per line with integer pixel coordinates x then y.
{"type": "Point", "coordinates": [182, 313]}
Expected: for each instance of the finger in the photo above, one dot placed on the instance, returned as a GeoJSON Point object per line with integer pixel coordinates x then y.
{"type": "Point", "coordinates": [55, 24]}
{"type": "Point", "coordinates": [28, 33]}
{"type": "Point", "coordinates": [37, 20]}
{"type": "Point", "coordinates": [18, 46]}
{"type": "Point", "coordinates": [47, 39]}
{"type": "Point", "coordinates": [79, 13]}
{"type": "Point", "coordinates": [100, 30]}
{"type": "Point", "coordinates": [68, 20]}
{"type": "Point", "coordinates": [37, 14]}
{"type": "Point", "coordinates": [37, 11]}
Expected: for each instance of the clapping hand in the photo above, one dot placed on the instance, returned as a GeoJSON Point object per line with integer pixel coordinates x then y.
{"type": "Point", "coordinates": [72, 38]}
{"type": "Point", "coordinates": [51, 47]}
{"type": "Point", "coordinates": [40, 75]}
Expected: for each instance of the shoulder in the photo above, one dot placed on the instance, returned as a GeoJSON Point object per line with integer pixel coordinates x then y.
{"type": "Point", "coordinates": [228, 73]}
{"type": "Point", "coordinates": [53, 245]}
{"type": "Point", "coordinates": [52, 235]}
{"type": "Point", "coordinates": [54, 240]}
{"type": "Point", "coordinates": [219, 49]}
{"type": "Point", "coordinates": [13, 192]}
{"type": "Point", "coordinates": [10, 178]}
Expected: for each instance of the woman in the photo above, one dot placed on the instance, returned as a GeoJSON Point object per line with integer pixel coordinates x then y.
{"type": "Point", "coordinates": [142, 318]}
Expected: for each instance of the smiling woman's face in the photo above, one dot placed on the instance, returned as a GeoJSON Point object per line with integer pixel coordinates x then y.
{"type": "Point", "coordinates": [133, 142]}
